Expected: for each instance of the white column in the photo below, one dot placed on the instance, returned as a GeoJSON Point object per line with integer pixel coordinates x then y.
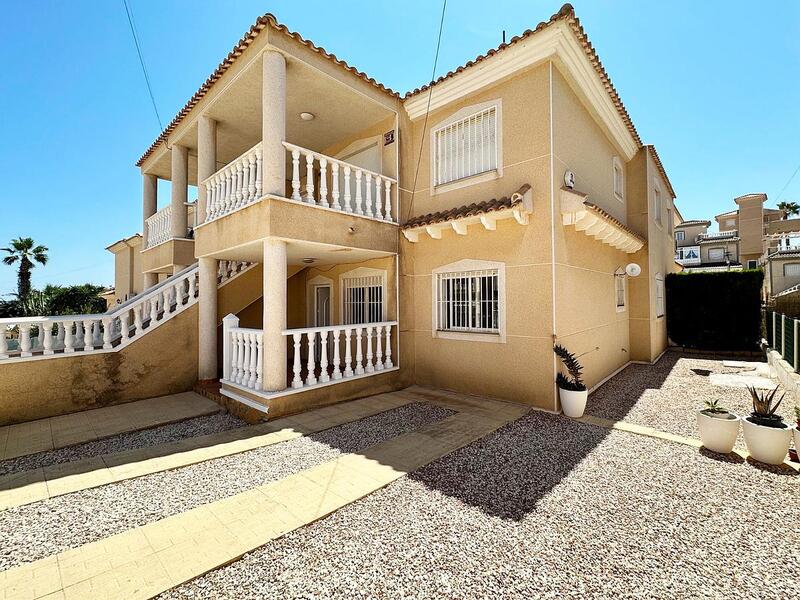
{"type": "Point", "coordinates": [149, 200]}
{"type": "Point", "coordinates": [274, 321]}
{"type": "Point", "coordinates": [207, 320]}
{"type": "Point", "coordinates": [273, 129]}
{"type": "Point", "coordinates": [180, 181]}
{"type": "Point", "coordinates": [206, 161]}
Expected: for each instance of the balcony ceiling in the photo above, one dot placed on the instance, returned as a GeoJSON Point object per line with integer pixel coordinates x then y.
{"type": "Point", "coordinates": [339, 113]}
{"type": "Point", "coordinates": [296, 251]}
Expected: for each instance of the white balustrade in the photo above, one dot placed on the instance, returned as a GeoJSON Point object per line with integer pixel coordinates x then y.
{"type": "Point", "coordinates": [236, 185]}
{"type": "Point", "coordinates": [159, 227]}
{"type": "Point", "coordinates": [228, 269]}
{"type": "Point", "coordinates": [358, 191]}
{"type": "Point", "coordinates": [57, 336]}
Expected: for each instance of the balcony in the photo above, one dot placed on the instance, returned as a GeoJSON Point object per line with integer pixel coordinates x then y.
{"type": "Point", "coordinates": [721, 236]}
{"type": "Point", "coordinates": [164, 252]}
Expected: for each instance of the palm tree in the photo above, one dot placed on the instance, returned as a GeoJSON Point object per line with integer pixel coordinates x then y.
{"type": "Point", "coordinates": [789, 209]}
{"type": "Point", "coordinates": [24, 251]}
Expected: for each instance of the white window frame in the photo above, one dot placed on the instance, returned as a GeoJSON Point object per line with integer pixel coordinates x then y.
{"type": "Point", "coordinates": [619, 191]}
{"type": "Point", "coordinates": [659, 295]}
{"type": "Point", "coordinates": [461, 115]}
{"type": "Point", "coordinates": [658, 204]}
{"type": "Point", "coordinates": [715, 248]}
{"type": "Point", "coordinates": [680, 236]}
{"type": "Point", "coordinates": [361, 273]}
{"type": "Point", "coordinates": [752, 264]}
{"type": "Point", "coordinates": [785, 274]}
{"type": "Point", "coordinates": [463, 266]}
{"type": "Point", "coordinates": [620, 285]}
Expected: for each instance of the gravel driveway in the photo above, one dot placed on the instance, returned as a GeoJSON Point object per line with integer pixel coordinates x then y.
{"type": "Point", "coordinates": [43, 528]}
{"type": "Point", "coordinates": [547, 508]}
{"type": "Point", "coordinates": [667, 395]}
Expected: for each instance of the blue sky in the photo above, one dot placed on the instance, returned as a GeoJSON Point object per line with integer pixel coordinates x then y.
{"type": "Point", "coordinates": [713, 84]}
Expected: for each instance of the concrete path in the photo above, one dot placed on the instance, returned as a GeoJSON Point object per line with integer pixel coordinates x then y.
{"type": "Point", "coordinates": [145, 561]}
{"type": "Point", "coordinates": [25, 487]}
{"type": "Point", "coordinates": [89, 425]}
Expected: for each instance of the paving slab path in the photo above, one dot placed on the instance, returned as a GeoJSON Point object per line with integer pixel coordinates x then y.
{"type": "Point", "coordinates": [42, 435]}
{"type": "Point", "coordinates": [145, 561]}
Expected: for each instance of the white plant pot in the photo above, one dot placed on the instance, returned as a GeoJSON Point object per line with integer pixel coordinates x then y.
{"type": "Point", "coordinates": [573, 403]}
{"type": "Point", "coordinates": [718, 431]}
{"type": "Point", "coordinates": [796, 434]}
{"type": "Point", "coordinates": [766, 444]}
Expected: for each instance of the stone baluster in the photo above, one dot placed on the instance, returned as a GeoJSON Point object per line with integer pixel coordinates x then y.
{"type": "Point", "coordinates": [369, 368]}
{"type": "Point", "coordinates": [234, 358]}
{"type": "Point", "coordinates": [258, 172]}
{"type": "Point", "coordinates": [165, 294]}
{"type": "Point", "coordinates": [310, 178]}
{"type": "Point", "coordinates": [378, 201]}
{"type": "Point", "coordinates": [123, 326]}
{"type": "Point", "coordinates": [108, 330]}
{"type": "Point", "coordinates": [335, 186]}
{"type": "Point", "coordinates": [192, 287]}
{"type": "Point", "coordinates": [359, 352]}
{"type": "Point", "coordinates": [378, 350]}
{"type": "Point", "coordinates": [61, 335]}
{"type": "Point", "coordinates": [323, 182]}
{"type": "Point", "coordinates": [296, 175]}
{"type": "Point", "coordinates": [88, 337]}
{"type": "Point", "coordinates": [260, 360]}
{"type": "Point", "coordinates": [311, 346]}
{"type": "Point", "coordinates": [46, 337]}
{"type": "Point", "coordinates": [153, 310]}
{"type": "Point", "coordinates": [251, 169]}
{"type": "Point", "coordinates": [388, 362]}
{"type": "Point", "coordinates": [251, 383]}
{"type": "Point", "coordinates": [337, 361]}
{"type": "Point", "coordinates": [137, 318]}
{"type": "Point", "coordinates": [359, 198]}
{"type": "Point", "coordinates": [368, 200]}
{"type": "Point", "coordinates": [239, 174]}
{"type": "Point", "coordinates": [246, 192]}
{"type": "Point", "coordinates": [179, 296]}
{"type": "Point", "coordinates": [296, 381]}
{"type": "Point", "coordinates": [347, 206]}
{"type": "Point", "coordinates": [348, 368]}
{"type": "Point", "coordinates": [25, 340]}
{"type": "Point", "coordinates": [387, 213]}
{"type": "Point", "coordinates": [323, 357]}
{"type": "Point", "coordinates": [3, 342]}
{"type": "Point", "coordinates": [69, 341]}
{"type": "Point", "coordinates": [246, 351]}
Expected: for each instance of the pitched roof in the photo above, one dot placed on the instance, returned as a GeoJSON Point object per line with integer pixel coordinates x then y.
{"type": "Point", "coordinates": [596, 209]}
{"type": "Point", "coordinates": [661, 169]}
{"type": "Point", "coordinates": [471, 210]}
{"type": "Point", "coordinates": [693, 222]}
{"type": "Point", "coordinates": [791, 253]}
{"type": "Point", "coordinates": [264, 21]}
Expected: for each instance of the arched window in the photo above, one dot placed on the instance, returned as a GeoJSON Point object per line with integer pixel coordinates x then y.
{"type": "Point", "coordinates": [619, 289]}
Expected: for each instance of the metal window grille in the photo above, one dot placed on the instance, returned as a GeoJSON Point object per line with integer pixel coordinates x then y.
{"type": "Point", "coordinates": [469, 301]}
{"type": "Point", "coordinates": [791, 269]}
{"type": "Point", "coordinates": [659, 295]}
{"type": "Point", "coordinates": [467, 147]}
{"type": "Point", "coordinates": [778, 333]}
{"type": "Point", "coordinates": [363, 299]}
{"type": "Point", "coordinates": [619, 282]}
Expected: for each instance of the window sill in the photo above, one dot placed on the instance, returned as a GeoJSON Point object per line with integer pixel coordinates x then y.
{"type": "Point", "coordinates": [464, 336]}
{"type": "Point", "coordinates": [467, 181]}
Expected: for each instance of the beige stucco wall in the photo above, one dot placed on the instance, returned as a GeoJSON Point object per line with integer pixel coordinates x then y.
{"type": "Point", "coordinates": [731, 247]}
{"type": "Point", "coordinates": [128, 277]}
{"type": "Point", "coordinates": [162, 258]}
{"type": "Point", "coordinates": [775, 274]}
{"type": "Point", "coordinates": [163, 361]}
{"type": "Point", "coordinates": [751, 226]}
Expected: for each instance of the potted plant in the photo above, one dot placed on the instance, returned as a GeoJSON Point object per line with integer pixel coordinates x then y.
{"type": "Point", "coordinates": [571, 389]}
{"type": "Point", "coordinates": [766, 435]}
{"type": "Point", "coordinates": [718, 427]}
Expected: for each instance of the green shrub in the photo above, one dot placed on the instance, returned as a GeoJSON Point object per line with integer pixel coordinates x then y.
{"type": "Point", "coordinates": [715, 311]}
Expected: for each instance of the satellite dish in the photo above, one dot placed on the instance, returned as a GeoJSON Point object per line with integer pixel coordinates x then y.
{"type": "Point", "coordinates": [569, 179]}
{"type": "Point", "coordinates": [633, 270]}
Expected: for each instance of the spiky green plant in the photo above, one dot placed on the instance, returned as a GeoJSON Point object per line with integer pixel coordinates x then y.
{"type": "Point", "coordinates": [797, 416]}
{"type": "Point", "coordinates": [713, 406]}
{"type": "Point", "coordinates": [573, 381]}
{"type": "Point", "coordinates": [764, 407]}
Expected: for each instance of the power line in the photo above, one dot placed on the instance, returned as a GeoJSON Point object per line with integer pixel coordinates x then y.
{"type": "Point", "coordinates": [427, 109]}
{"type": "Point", "coordinates": [797, 170]}
{"type": "Point", "coordinates": [141, 62]}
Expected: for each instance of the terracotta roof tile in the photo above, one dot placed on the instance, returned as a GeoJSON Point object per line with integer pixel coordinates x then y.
{"type": "Point", "coordinates": [617, 222]}
{"type": "Point", "coordinates": [267, 20]}
{"type": "Point", "coordinates": [661, 169]}
{"type": "Point", "coordinates": [477, 208]}
{"type": "Point", "coordinates": [693, 222]}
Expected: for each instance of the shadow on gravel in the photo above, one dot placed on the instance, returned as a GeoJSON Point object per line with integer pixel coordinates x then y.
{"type": "Point", "coordinates": [508, 472]}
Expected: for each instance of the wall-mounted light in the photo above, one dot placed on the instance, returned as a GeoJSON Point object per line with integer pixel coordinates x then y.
{"type": "Point", "coordinates": [307, 116]}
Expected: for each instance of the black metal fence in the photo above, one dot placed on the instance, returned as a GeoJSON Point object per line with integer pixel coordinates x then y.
{"type": "Point", "coordinates": [783, 335]}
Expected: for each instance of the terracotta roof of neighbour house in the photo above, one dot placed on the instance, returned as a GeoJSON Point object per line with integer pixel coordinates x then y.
{"type": "Point", "coordinates": [471, 210]}
{"type": "Point", "coordinates": [596, 209]}
{"type": "Point", "coordinates": [693, 222]}
{"type": "Point", "coordinates": [785, 254]}
{"type": "Point", "coordinates": [720, 239]}
{"type": "Point", "coordinates": [264, 21]}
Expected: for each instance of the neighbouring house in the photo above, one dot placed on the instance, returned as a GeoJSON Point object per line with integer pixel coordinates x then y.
{"type": "Point", "coordinates": [128, 277]}
{"type": "Point", "coordinates": [350, 239]}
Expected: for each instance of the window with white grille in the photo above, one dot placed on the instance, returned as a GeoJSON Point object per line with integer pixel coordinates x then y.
{"type": "Point", "coordinates": [680, 236]}
{"type": "Point", "coordinates": [362, 299]}
{"type": "Point", "coordinates": [619, 289]}
{"type": "Point", "coordinates": [465, 147]}
{"type": "Point", "coordinates": [791, 270]}
{"type": "Point", "coordinates": [468, 301]}
{"type": "Point", "coordinates": [659, 295]}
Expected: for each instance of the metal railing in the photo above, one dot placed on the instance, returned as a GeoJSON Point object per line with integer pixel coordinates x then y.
{"type": "Point", "coordinates": [783, 336]}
